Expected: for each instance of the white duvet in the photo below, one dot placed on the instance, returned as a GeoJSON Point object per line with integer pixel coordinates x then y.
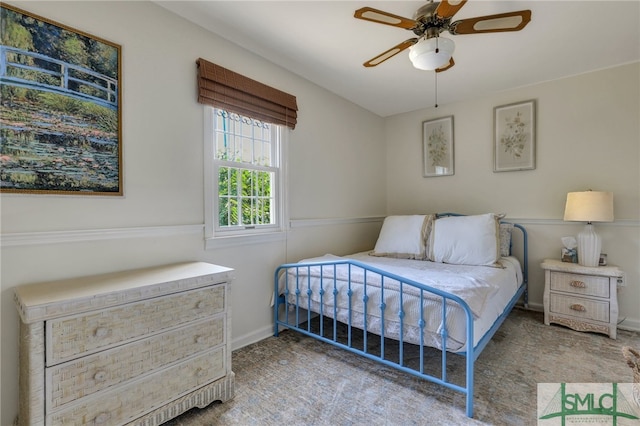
{"type": "Point", "coordinates": [486, 290]}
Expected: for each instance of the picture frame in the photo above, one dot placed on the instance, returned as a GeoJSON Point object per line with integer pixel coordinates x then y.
{"type": "Point", "coordinates": [514, 144]}
{"type": "Point", "coordinates": [438, 147]}
{"type": "Point", "coordinates": [61, 103]}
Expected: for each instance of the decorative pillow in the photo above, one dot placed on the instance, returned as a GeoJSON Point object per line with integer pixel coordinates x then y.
{"type": "Point", "coordinates": [403, 237]}
{"type": "Point", "coordinates": [465, 240]}
{"type": "Point", "coordinates": [505, 239]}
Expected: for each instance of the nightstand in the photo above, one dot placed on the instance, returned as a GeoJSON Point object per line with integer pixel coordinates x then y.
{"type": "Point", "coordinates": [583, 298]}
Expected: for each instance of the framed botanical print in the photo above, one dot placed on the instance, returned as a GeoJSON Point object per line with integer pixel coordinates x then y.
{"type": "Point", "coordinates": [437, 147]}
{"type": "Point", "coordinates": [61, 108]}
{"type": "Point", "coordinates": [514, 145]}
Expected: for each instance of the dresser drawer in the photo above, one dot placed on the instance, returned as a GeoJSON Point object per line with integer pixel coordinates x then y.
{"type": "Point", "coordinates": [588, 285]}
{"type": "Point", "coordinates": [72, 337]}
{"type": "Point", "coordinates": [579, 307]}
{"type": "Point", "coordinates": [85, 376]}
{"type": "Point", "coordinates": [125, 403]}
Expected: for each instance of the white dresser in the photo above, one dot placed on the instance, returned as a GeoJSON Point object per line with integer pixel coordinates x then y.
{"type": "Point", "coordinates": [133, 347]}
{"type": "Point", "coordinates": [583, 298]}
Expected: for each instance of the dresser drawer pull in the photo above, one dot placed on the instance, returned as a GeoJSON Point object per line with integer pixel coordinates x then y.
{"type": "Point", "coordinates": [578, 307]}
{"type": "Point", "coordinates": [100, 376]}
{"type": "Point", "coordinates": [578, 284]}
{"type": "Point", "coordinates": [101, 418]}
{"type": "Point", "coordinates": [200, 339]}
{"type": "Point", "coordinates": [200, 372]}
{"type": "Point", "coordinates": [101, 332]}
{"type": "Point", "coordinates": [201, 304]}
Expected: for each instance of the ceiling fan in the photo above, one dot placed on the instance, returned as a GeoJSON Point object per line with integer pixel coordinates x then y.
{"type": "Point", "coordinates": [429, 51]}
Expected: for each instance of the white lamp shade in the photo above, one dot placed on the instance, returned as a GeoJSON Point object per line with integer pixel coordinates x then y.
{"type": "Point", "coordinates": [431, 53]}
{"type": "Point", "coordinates": [589, 206]}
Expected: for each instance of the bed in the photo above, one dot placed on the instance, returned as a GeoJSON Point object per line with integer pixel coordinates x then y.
{"type": "Point", "coordinates": [443, 281]}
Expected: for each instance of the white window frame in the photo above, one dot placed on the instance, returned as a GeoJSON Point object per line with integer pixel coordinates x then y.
{"type": "Point", "coordinates": [216, 237]}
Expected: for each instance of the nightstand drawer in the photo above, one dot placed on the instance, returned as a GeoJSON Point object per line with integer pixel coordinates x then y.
{"type": "Point", "coordinates": [579, 307]}
{"type": "Point", "coordinates": [588, 285]}
{"type": "Point", "coordinates": [583, 298]}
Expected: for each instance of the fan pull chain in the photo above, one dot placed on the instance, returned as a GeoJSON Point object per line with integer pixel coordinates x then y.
{"type": "Point", "coordinates": [436, 81]}
{"type": "Point", "coordinates": [436, 73]}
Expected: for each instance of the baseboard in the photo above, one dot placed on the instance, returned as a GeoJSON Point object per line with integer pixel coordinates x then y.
{"type": "Point", "coordinates": [253, 337]}
{"type": "Point", "coordinates": [538, 307]}
{"type": "Point", "coordinates": [629, 324]}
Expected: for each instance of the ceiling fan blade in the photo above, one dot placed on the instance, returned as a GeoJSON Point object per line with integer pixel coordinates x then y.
{"type": "Point", "coordinates": [446, 67]}
{"type": "Point", "coordinates": [448, 8]}
{"type": "Point", "coordinates": [510, 21]}
{"type": "Point", "coordinates": [390, 53]}
{"type": "Point", "coordinates": [381, 17]}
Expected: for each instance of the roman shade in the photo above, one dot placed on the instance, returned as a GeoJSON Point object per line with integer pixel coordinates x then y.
{"type": "Point", "coordinates": [233, 92]}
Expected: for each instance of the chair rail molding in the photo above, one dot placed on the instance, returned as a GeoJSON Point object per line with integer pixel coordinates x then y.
{"type": "Point", "coordinates": [69, 236]}
{"type": "Point", "coordinates": [72, 236]}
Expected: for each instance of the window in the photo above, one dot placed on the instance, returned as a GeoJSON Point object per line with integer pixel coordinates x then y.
{"type": "Point", "coordinates": [244, 175]}
{"type": "Point", "coordinates": [246, 129]}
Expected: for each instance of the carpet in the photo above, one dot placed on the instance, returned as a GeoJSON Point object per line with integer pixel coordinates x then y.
{"type": "Point", "coordinates": [296, 380]}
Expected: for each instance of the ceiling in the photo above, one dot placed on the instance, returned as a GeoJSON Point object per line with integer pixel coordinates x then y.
{"type": "Point", "coordinates": [322, 42]}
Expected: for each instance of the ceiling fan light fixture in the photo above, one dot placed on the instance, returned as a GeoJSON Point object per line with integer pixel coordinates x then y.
{"type": "Point", "coordinates": [431, 53]}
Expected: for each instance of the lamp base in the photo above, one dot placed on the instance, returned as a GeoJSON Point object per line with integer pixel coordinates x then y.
{"type": "Point", "coordinates": [589, 245]}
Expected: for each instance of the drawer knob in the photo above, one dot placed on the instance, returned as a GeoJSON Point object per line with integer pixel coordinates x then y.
{"type": "Point", "coordinates": [100, 376]}
{"type": "Point", "coordinates": [578, 307]}
{"type": "Point", "coordinates": [578, 284]}
{"type": "Point", "coordinates": [101, 332]}
{"type": "Point", "coordinates": [102, 418]}
{"type": "Point", "coordinates": [200, 372]}
{"type": "Point", "coordinates": [200, 339]}
{"type": "Point", "coordinates": [201, 304]}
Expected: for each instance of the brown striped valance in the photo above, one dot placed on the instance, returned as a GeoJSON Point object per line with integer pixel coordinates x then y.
{"type": "Point", "coordinates": [228, 90]}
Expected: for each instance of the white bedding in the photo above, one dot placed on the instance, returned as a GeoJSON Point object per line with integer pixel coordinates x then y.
{"type": "Point", "coordinates": [486, 290]}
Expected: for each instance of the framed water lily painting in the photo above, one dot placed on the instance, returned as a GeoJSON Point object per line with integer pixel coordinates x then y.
{"type": "Point", "coordinates": [514, 137]}
{"type": "Point", "coordinates": [437, 147]}
{"type": "Point", "coordinates": [60, 102]}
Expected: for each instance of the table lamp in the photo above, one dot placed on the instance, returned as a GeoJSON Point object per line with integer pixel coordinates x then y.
{"type": "Point", "coordinates": [589, 206]}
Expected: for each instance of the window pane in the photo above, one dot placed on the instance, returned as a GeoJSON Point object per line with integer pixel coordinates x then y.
{"type": "Point", "coordinates": [222, 146]}
{"type": "Point", "coordinates": [247, 211]}
{"type": "Point", "coordinates": [245, 156]}
{"type": "Point", "coordinates": [246, 151]}
{"type": "Point", "coordinates": [233, 181]}
{"type": "Point", "coordinates": [249, 189]}
{"type": "Point", "coordinates": [224, 211]}
{"type": "Point", "coordinates": [242, 139]}
{"type": "Point", "coordinates": [223, 181]}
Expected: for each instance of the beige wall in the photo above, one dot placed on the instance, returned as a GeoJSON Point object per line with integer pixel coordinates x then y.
{"type": "Point", "coordinates": [160, 217]}
{"type": "Point", "coordinates": [341, 160]}
{"type": "Point", "coordinates": [588, 137]}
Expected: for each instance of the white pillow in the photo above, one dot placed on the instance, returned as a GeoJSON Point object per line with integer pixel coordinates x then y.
{"type": "Point", "coordinates": [466, 240]}
{"type": "Point", "coordinates": [403, 237]}
{"type": "Point", "coordinates": [505, 239]}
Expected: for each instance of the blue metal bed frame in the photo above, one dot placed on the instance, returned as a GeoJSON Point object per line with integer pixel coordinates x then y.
{"type": "Point", "coordinates": [471, 353]}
